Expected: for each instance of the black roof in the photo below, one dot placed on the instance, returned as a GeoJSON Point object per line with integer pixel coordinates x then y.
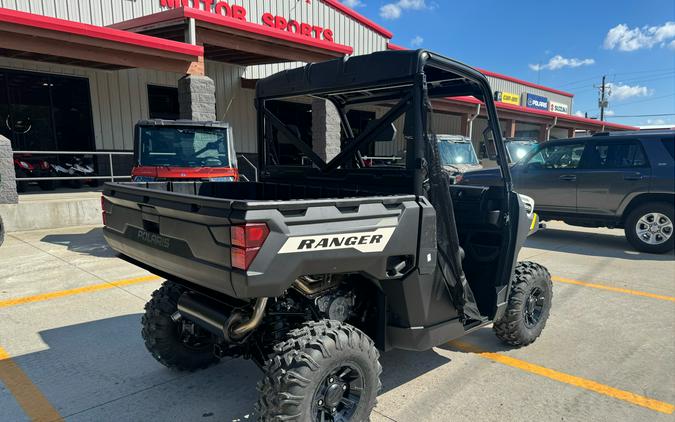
{"type": "Point", "coordinates": [379, 69]}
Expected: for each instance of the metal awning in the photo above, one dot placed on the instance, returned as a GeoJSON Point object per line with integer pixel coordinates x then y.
{"type": "Point", "coordinates": [42, 38]}
{"type": "Point", "coordinates": [232, 40]}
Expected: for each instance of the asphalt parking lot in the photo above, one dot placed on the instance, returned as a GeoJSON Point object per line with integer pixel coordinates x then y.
{"type": "Point", "coordinates": [70, 344]}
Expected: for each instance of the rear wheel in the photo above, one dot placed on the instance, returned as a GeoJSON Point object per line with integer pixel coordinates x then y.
{"type": "Point", "coordinates": [175, 344]}
{"type": "Point", "coordinates": [649, 227]}
{"type": "Point", "coordinates": [325, 371]}
{"type": "Point", "coordinates": [528, 306]}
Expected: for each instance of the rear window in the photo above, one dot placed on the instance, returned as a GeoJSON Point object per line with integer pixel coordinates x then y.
{"type": "Point", "coordinates": [669, 145]}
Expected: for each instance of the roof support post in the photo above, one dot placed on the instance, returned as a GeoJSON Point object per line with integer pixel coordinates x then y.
{"type": "Point", "coordinates": [8, 193]}
{"type": "Point", "coordinates": [197, 98]}
{"type": "Point", "coordinates": [326, 129]}
{"type": "Point", "coordinates": [548, 129]}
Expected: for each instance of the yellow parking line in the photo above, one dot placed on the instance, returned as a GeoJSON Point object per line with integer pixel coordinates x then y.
{"type": "Point", "coordinates": [564, 378]}
{"type": "Point", "coordinates": [613, 289]}
{"type": "Point", "coordinates": [30, 398]}
{"type": "Point", "coordinates": [79, 290]}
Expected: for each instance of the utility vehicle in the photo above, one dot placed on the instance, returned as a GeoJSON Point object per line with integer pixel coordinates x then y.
{"type": "Point", "coordinates": [313, 269]}
{"type": "Point", "coordinates": [457, 154]}
{"type": "Point", "coordinates": [183, 150]}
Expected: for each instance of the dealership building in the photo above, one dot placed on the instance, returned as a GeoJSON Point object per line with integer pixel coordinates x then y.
{"type": "Point", "coordinates": [75, 75]}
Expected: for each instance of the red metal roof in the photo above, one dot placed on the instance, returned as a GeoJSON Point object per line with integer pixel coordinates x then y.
{"type": "Point", "coordinates": [265, 31]}
{"type": "Point", "coordinates": [568, 117]}
{"type": "Point", "coordinates": [97, 32]}
{"type": "Point", "coordinates": [336, 4]}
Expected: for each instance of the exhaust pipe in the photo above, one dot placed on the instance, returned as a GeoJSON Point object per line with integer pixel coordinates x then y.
{"type": "Point", "coordinates": [209, 315]}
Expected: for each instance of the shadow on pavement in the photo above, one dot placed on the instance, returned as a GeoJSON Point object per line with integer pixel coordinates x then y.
{"type": "Point", "coordinates": [590, 244]}
{"type": "Point", "coordinates": [483, 339]}
{"type": "Point", "coordinates": [101, 370]}
{"type": "Point", "coordinates": [90, 243]}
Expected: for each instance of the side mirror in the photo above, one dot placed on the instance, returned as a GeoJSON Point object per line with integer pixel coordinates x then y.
{"type": "Point", "coordinates": [489, 143]}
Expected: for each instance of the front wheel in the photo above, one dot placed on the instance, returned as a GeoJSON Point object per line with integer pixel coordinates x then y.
{"type": "Point", "coordinates": [528, 307]}
{"type": "Point", "coordinates": [172, 343]}
{"type": "Point", "coordinates": [325, 371]}
{"type": "Point", "coordinates": [649, 228]}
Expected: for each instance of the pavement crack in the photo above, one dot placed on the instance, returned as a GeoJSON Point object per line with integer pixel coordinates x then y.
{"type": "Point", "coordinates": [384, 416]}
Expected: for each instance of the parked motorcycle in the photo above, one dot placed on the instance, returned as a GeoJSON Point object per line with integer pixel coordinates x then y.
{"type": "Point", "coordinates": [28, 166]}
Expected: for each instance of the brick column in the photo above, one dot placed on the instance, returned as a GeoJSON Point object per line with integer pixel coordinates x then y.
{"type": "Point", "coordinates": [8, 193]}
{"type": "Point", "coordinates": [326, 129]}
{"type": "Point", "coordinates": [570, 132]}
{"type": "Point", "coordinates": [197, 98]}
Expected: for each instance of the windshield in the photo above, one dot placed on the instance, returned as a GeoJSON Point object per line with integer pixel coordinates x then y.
{"type": "Point", "coordinates": [454, 153]}
{"type": "Point", "coordinates": [519, 149]}
{"type": "Point", "coordinates": [184, 147]}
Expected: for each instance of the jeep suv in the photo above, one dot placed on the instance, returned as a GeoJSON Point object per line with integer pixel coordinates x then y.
{"type": "Point", "coordinates": [616, 180]}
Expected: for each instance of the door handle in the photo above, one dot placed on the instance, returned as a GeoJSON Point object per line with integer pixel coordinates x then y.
{"type": "Point", "coordinates": [568, 177]}
{"type": "Point", "coordinates": [634, 176]}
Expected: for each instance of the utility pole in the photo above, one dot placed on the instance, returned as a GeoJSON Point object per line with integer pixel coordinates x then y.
{"type": "Point", "coordinates": [603, 102]}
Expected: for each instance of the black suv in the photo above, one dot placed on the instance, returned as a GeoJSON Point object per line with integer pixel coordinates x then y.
{"type": "Point", "coordinates": [616, 180]}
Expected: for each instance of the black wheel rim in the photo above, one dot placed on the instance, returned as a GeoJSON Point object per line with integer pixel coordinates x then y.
{"type": "Point", "coordinates": [338, 396]}
{"type": "Point", "coordinates": [534, 307]}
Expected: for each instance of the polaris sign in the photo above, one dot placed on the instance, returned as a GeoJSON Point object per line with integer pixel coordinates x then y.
{"type": "Point", "coordinates": [536, 101]}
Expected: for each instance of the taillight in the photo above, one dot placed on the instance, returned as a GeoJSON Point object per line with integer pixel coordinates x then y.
{"type": "Point", "coordinates": [246, 241]}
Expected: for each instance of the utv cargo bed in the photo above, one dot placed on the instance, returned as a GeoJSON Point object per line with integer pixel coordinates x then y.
{"type": "Point", "coordinates": [182, 230]}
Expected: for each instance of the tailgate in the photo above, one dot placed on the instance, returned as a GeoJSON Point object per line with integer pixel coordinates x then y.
{"type": "Point", "coordinates": [188, 236]}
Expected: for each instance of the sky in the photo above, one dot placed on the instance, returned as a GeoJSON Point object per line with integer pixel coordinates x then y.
{"type": "Point", "coordinates": [568, 45]}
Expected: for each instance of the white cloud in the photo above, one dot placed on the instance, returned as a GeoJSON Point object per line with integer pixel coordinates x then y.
{"type": "Point", "coordinates": [671, 45]}
{"type": "Point", "coordinates": [609, 113]}
{"type": "Point", "coordinates": [579, 113]}
{"type": "Point", "coordinates": [353, 3]}
{"type": "Point", "coordinates": [621, 92]}
{"type": "Point", "coordinates": [417, 41]}
{"type": "Point", "coordinates": [394, 10]}
{"type": "Point", "coordinates": [624, 38]}
{"type": "Point", "coordinates": [559, 62]}
{"type": "Point", "coordinates": [656, 122]}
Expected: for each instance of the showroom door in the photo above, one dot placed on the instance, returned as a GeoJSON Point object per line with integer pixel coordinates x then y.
{"type": "Point", "coordinates": [29, 120]}
{"type": "Point", "coordinates": [44, 112]}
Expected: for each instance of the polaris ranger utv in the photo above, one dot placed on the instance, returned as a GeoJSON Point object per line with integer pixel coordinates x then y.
{"type": "Point", "coordinates": [313, 269]}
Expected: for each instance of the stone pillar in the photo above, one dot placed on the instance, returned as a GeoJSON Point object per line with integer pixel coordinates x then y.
{"type": "Point", "coordinates": [464, 124]}
{"type": "Point", "coordinates": [326, 129]}
{"type": "Point", "coordinates": [8, 193]}
{"type": "Point", "coordinates": [571, 133]}
{"type": "Point", "coordinates": [197, 98]}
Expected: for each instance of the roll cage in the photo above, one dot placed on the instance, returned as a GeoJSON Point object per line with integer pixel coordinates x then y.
{"type": "Point", "coordinates": [408, 81]}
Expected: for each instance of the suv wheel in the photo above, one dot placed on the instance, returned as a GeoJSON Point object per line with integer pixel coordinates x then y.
{"type": "Point", "coordinates": [528, 307]}
{"type": "Point", "coordinates": [649, 228]}
{"type": "Point", "coordinates": [170, 342]}
{"type": "Point", "coordinates": [325, 371]}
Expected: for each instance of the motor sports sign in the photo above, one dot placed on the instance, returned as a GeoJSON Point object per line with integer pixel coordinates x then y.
{"type": "Point", "coordinates": [234, 11]}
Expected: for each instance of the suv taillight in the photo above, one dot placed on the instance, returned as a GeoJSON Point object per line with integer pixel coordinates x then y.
{"type": "Point", "coordinates": [246, 241]}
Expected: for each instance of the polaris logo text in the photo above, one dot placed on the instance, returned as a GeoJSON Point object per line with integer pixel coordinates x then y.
{"type": "Point", "coordinates": [153, 239]}
{"type": "Point", "coordinates": [366, 242]}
